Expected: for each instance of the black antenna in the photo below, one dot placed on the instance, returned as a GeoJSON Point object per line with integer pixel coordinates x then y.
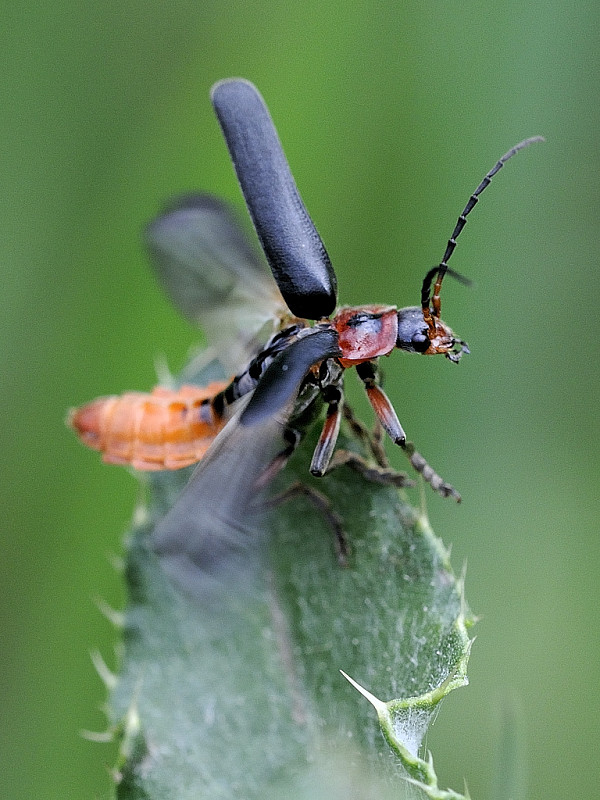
{"type": "Point", "coordinates": [442, 269]}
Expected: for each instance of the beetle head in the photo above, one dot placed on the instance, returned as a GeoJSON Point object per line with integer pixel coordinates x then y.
{"type": "Point", "coordinates": [416, 336]}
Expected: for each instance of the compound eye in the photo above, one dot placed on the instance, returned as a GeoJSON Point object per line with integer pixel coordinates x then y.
{"type": "Point", "coordinates": [420, 341]}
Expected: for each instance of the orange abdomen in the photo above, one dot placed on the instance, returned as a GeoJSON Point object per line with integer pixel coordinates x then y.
{"type": "Point", "coordinates": [166, 429]}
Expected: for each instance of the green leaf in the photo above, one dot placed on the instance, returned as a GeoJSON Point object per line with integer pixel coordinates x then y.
{"type": "Point", "coordinates": [240, 694]}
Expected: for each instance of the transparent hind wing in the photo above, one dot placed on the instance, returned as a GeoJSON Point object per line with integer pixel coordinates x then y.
{"type": "Point", "coordinates": [214, 276]}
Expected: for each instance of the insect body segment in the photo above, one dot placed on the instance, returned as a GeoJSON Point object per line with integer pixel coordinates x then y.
{"type": "Point", "coordinates": [167, 429]}
{"type": "Point", "coordinates": [366, 332]}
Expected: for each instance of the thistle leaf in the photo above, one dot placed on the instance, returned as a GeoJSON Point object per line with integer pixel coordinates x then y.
{"type": "Point", "coordinates": [239, 694]}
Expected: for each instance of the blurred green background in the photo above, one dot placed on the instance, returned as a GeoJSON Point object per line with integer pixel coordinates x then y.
{"type": "Point", "coordinates": [390, 114]}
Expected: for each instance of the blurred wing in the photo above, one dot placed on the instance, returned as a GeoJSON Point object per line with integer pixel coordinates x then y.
{"type": "Point", "coordinates": [213, 275]}
{"type": "Point", "coordinates": [213, 531]}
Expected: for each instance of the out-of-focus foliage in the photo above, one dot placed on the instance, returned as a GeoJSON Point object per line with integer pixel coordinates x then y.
{"type": "Point", "coordinates": [389, 114]}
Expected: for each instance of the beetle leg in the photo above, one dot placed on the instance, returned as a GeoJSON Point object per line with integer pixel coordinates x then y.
{"type": "Point", "coordinates": [390, 477]}
{"type": "Point", "coordinates": [327, 440]}
{"type": "Point", "coordinates": [387, 416]}
{"type": "Point", "coordinates": [386, 476]}
{"type": "Point", "coordinates": [371, 439]}
{"type": "Point", "coordinates": [382, 406]}
{"type": "Point", "coordinates": [292, 439]}
{"type": "Point", "coordinates": [323, 506]}
{"type": "Point", "coordinates": [429, 474]}
{"type": "Point", "coordinates": [377, 473]}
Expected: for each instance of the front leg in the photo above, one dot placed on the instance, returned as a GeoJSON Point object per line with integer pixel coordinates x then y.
{"type": "Point", "coordinates": [382, 406]}
{"type": "Point", "coordinates": [368, 373]}
{"type": "Point", "coordinates": [437, 483]}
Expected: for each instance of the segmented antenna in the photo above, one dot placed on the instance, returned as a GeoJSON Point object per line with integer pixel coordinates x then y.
{"type": "Point", "coordinates": [432, 313]}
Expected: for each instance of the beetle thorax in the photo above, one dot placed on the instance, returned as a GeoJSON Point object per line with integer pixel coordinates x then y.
{"type": "Point", "coordinates": [365, 332]}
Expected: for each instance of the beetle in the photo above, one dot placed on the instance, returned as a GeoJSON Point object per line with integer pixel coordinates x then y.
{"type": "Point", "coordinates": [300, 363]}
{"type": "Point", "coordinates": [207, 521]}
{"type": "Point", "coordinates": [304, 274]}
